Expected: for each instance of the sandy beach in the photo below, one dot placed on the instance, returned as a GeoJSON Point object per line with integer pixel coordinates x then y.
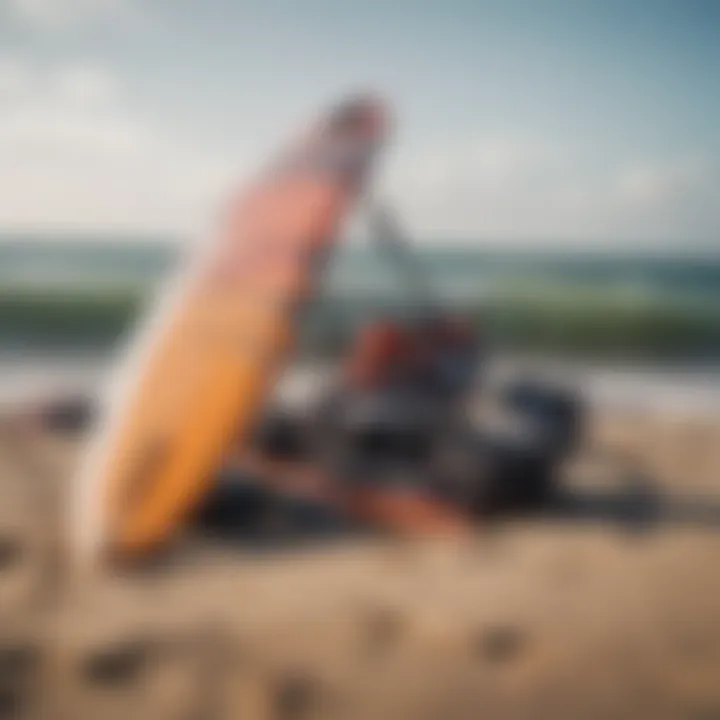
{"type": "Point", "coordinates": [604, 605]}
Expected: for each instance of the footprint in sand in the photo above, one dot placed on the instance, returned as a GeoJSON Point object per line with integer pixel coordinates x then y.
{"type": "Point", "coordinates": [383, 629]}
{"type": "Point", "coordinates": [18, 678]}
{"type": "Point", "coordinates": [499, 644]}
{"type": "Point", "coordinates": [296, 697]}
{"type": "Point", "coordinates": [120, 665]}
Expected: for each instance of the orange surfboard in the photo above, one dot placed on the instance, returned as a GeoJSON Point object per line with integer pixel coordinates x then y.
{"type": "Point", "coordinates": [205, 359]}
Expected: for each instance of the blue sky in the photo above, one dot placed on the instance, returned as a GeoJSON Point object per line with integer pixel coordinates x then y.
{"type": "Point", "coordinates": [525, 122]}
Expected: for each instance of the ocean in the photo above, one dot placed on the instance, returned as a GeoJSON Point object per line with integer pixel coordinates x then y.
{"type": "Point", "coordinates": [458, 272]}
{"type": "Point", "coordinates": [67, 292]}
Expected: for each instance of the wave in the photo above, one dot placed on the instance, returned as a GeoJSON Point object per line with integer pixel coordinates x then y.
{"type": "Point", "coordinates": [571, 320]}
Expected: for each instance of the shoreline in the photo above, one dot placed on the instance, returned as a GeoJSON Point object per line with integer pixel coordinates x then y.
{"type": "Point", "coordinates": [27, 378]}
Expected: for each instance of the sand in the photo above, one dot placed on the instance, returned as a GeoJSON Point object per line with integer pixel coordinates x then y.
{"type": "Point", "coordinates": [604, 605]}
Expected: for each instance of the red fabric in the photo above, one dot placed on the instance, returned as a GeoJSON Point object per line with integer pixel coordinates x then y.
{"type": "Point", "coordinates": [381, 351]}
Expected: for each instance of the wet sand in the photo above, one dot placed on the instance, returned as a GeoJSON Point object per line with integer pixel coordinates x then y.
{"type": "Point", "coordinates": [604, 605]}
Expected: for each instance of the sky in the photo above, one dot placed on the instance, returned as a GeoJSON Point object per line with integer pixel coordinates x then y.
{"type": "Point", "coordinates": [518, 122]}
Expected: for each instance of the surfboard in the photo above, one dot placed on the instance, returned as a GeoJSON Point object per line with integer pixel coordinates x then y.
{"type": "Point", "coordinates": [204, 359]}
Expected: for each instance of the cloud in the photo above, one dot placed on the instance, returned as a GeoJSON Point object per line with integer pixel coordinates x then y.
{"type": "Point", "coordinates": [67, 111]}
{"type": "Point", "coordinates": [77, 154]}
{"type": "Point", "coordinates": [518, 189]}
{"type": "Point", "coordinates": [491, 185]}
{"type": "Point", "coordinates": [13, 78]}
{"type": "Point", "coordinates": [64, 14]}
{"type": "Point", "coordinates": [647, 184]}
{"type": "Point", "coordinates": [74, 155]}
